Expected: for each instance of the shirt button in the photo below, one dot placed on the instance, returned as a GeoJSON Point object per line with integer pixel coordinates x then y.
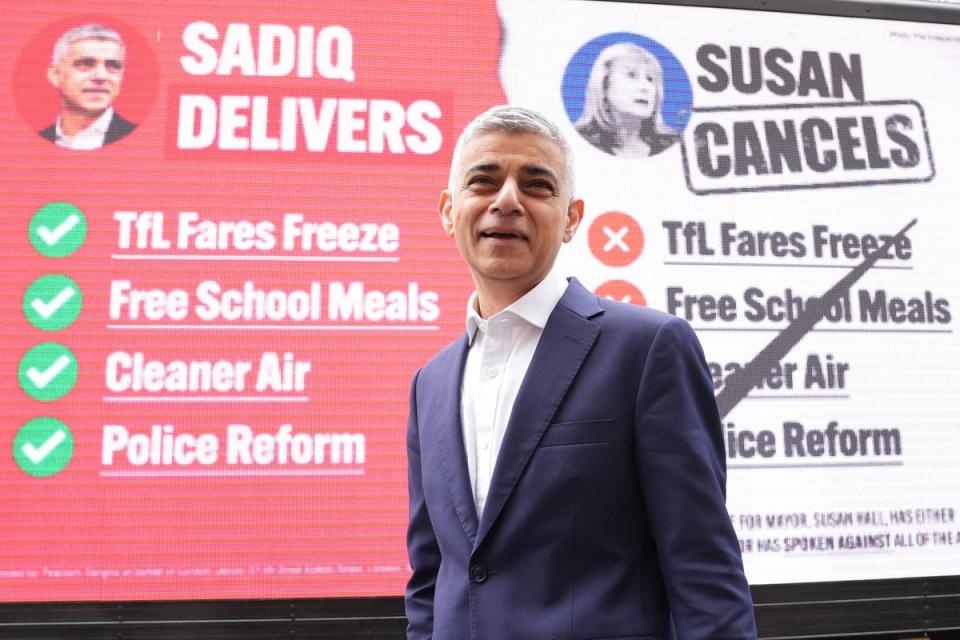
{"type": "Point", "coordinates": [491, 373]}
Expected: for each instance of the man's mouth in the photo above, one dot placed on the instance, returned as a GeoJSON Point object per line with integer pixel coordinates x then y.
{"type": "Point", "coordinates": [501, 235]}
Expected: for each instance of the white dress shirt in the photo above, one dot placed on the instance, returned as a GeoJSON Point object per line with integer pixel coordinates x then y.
{"type": "Point", "coordinates": [501, 348]}
{"type": "Point", "coordinates": [89, 138]}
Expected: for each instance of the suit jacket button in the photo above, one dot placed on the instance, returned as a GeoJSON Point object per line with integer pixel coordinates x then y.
{"type": "Point", "coordinates": [478, 573]}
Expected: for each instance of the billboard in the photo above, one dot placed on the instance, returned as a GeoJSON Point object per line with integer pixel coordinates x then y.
{"type": "Point", "coordinates": [225, 264]}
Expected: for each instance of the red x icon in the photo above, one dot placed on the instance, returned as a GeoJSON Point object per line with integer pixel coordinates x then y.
{"type": "Point", "coordinates": [621, 291]}
{"type": "Point", "coordinates": [615, 239]}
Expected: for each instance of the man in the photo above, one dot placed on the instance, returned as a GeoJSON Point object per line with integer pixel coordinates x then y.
{"type": "Point", "coordinates": [87, 69]}
{"type": "Point", "coordinates": [565, 454]}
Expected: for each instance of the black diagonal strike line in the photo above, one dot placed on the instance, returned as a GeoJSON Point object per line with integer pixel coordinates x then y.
{"type": "Point", "coordinates": [739, 384]}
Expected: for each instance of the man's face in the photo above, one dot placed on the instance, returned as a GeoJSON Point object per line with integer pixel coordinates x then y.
{"type": "Point", "coordinates": [89, 75]}
{"type": "Point", "coordinates": [510, 210]}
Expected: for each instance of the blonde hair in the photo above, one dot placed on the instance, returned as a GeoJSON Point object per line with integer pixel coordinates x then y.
{"type": "Point", "coordinates": [596, 107]}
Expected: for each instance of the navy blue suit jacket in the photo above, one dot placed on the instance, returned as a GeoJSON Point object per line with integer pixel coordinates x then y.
{"type": "Point", "coordinates": [118, 128]}
{"type": "Point", "coordinates": [606, 511]}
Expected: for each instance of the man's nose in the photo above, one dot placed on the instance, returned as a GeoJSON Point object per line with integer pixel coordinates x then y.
{"type": "Point", "coordinates": [100, 71]}
{"type": "Point", "coordinates": [508, 199]}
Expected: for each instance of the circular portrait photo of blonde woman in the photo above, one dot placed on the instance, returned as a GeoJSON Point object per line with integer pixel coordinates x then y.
{"type": "Point", "coordinates": [627, 95]}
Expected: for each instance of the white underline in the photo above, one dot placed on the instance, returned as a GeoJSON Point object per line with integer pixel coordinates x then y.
{"type": "Point", "coordinates": [281, 327]}
{"type": "Point", "coordinates": [225, 473]}
{"type": "Point", "coordinates": [206, 399]}
{"type": "Point", "coordinates": [195, 257]}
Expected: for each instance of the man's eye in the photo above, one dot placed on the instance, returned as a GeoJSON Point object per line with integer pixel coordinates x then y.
{"type": "Point", "coordinates": [479, 181]}
{"type": "Point", "coordinates": [84, 63]}
{"type": "Point", "coordinates": [114, 65]}
{"type": "Point", "coordinates": [541, 185]}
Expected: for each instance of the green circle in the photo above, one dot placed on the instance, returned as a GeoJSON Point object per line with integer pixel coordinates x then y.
{"type": "Point", "coordinates": [48, 371]}
{"type": "Point", "coordinates": [43, 447]}
{"type": "Point", "coordinates": [52, 302]}
{"type": "Point", "coordinates": [57, 229]}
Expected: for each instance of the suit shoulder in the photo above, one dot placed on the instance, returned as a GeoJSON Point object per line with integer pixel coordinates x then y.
{"type": "Point", "coordinates": [50, 133]}
{"type": "Point", "coordinates": [638, 318]}
{"type": "Point", "coordinates": [118, 128]}
{"type": "Point", "coordinates": [637, 329]}
{"type": "Point", "coordinates": [446, 359]}
{"type": "Point", "coordinates": [621, 322]}
{"type": "Point", "coordinates": [122, 124]}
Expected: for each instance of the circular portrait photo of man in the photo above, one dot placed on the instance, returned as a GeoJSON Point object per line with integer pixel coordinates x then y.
{"type": "Point", "coordinates": [72, 94]}
{"type": "Point", "coordinates": [627, 95]}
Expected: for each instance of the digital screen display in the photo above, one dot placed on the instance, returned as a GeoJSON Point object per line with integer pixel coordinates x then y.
{"type": "Point", "coordinates": [225, 264]}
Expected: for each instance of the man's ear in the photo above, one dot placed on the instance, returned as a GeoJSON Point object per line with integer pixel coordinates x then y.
{"type": "Point", "coordinates": [53, 75]}
{"type": "Point", "coordinates": [574, 216]}
{"type": "Point", "coordinates": [445, 207]}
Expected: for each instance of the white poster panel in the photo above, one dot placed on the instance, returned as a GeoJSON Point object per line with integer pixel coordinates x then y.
{"type": "Point", "coordinates": [789, 185]}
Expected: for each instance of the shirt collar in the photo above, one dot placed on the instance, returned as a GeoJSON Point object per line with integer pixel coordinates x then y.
{"type": "Point", "coordinates": [534, 307]}
{"type": "Point", "coordinates": [98, 126]}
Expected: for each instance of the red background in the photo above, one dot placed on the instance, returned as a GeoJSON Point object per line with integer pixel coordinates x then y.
{"type": "Point", "coordinates": [80, 520]}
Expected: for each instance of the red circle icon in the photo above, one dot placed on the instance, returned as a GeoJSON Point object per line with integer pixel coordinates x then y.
{"type": "Point", "coordinates": [615, 239]}
{"type": "Point", "coordinates": [621, 291]}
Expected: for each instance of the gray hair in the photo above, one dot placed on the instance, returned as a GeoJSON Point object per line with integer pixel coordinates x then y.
{"type": "Point", "coordinates": [517, 120]}
{"type": "Point", "coordinates": [83, 32]}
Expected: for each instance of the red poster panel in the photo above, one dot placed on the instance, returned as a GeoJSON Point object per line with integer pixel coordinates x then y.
{"type": "Point", "coordinates": [211, 319]}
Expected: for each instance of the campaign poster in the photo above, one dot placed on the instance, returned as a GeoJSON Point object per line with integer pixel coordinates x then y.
{"type": "Point", "coordinates": [225, 264]}
{"type": "Point", "coordinates": [785, 183]}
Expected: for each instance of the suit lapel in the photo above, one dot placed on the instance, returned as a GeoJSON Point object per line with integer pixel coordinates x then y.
{"type": "Point", "coordinates": [567, 339]}
{"type": "Point", "coordinates": [452, 454]}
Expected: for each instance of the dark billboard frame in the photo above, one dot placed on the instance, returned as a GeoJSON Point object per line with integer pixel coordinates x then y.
{"type": "Point", "coordinates": [891, 608]}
